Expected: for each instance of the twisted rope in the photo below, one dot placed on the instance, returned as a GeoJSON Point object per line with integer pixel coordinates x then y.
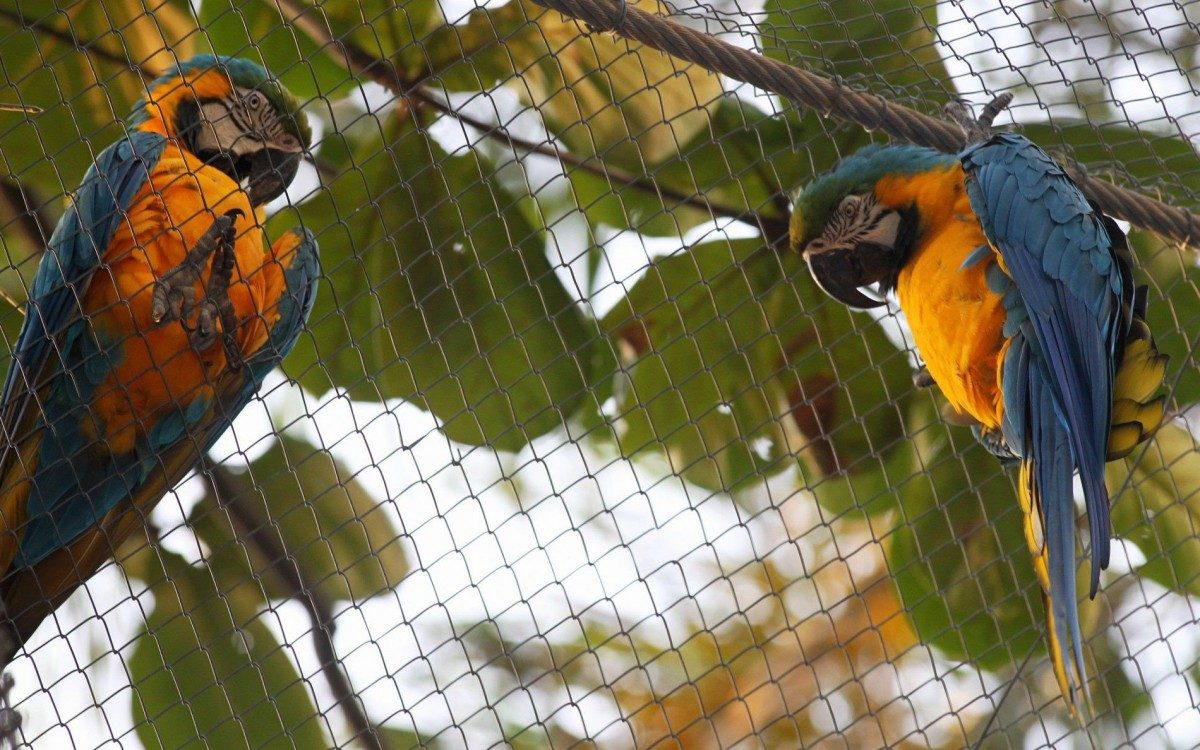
{"type": "Point", "coordinates": [828, 97]}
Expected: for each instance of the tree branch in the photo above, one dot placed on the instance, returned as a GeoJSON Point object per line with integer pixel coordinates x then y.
{"type": "Point", "coordinates": [769, 226]}
{"type": "Point", "coordinates": [28, 212]}
{"type": "Point", "coordinates": [89, 46]}
{"type": "Point", "coordinates": [256, 530]}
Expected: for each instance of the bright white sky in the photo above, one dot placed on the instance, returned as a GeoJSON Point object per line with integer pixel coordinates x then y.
{"type": "Point", "coordinates": [529, 540]}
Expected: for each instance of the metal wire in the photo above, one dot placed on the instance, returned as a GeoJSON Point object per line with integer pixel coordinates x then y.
{"type": "Point", "coordinates": [571, 451]}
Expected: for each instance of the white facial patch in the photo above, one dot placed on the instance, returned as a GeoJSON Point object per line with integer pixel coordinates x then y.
{"type": "Point", "coordinates": [858, 220]}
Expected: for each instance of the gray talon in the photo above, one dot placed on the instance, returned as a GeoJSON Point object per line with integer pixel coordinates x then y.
{"type": "Point", "coordinates": [205, 332]}
{"type": "Point", "coordinates": [170, 299]}
{"type": "Point", "coordinates": [977, 129]}
{"type": "Point", "coordinates": [175, 295]}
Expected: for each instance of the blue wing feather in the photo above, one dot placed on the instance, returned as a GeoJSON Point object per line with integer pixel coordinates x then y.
{"type": "Point", "coordinates": [1063, 298]}
{"type": "Point", "coordinates": [57, 358]}
{"type": "Point", "coordinates": [56, 484]}
{"type": "Point", "coordinates": [1048, 237]}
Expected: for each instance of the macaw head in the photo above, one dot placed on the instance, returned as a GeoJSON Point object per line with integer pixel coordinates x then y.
{"type": "Point", "coordinates": [848, 234]}
{"type": "Point", "coordinates": [230, 113]}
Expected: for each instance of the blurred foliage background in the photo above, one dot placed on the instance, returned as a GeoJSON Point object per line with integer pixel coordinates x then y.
{"type": "Point", "coordinates": [564, 252]}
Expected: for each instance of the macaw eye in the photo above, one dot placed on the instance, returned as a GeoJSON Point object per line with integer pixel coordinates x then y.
{"type": "Point", "coordinates": [848, 206]}
{"type": "Point", "coordinates": [255, 100]}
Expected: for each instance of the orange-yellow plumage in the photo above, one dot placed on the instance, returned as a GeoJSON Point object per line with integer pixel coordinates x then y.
{"type": "Point", "coordinates": [957, 324]}
{"type": "Point", "coordinates": [160, 369]}
{"type": "Point", "coordinates": [164, 98]}
{"type": "Point", "coordinates": [155, 315]}
{"type": "Point", "coordinates": [956, 320]}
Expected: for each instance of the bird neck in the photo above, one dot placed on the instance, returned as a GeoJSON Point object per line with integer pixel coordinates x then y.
{"type": "Point", "coordinates": [158, 112]}
{"type": "Point", "coordinates": [936, 196]}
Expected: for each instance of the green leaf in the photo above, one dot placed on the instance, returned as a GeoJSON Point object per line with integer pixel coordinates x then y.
{"type": "Point", "coordinates": [472, 53]}
{"type": "Point", "coordinates": [958, 555]}
{"type": "Point", "coordinates": [207, 672]}
{"type": "Point", "coordinates": [382, 28]}
{"type": "Point", "coordinates": [626, 102]}
{"type": "Point", "coordinates": [744, 161]}
{"type": "Point", "coordinates": [886, 46]}
{"type": "Point", "coordinates": [1136, 157]}
{"type": "Point", "coordinates": [255, 30]}
{"type": "Point", "coordinates": [403, 739]}
{"type": "Point", "coordinates": [1158, 507]}
{"type": "Point", "coordinates": [326, 521]}
{"type": "Point", "coordinates": [440, 293]}
{"type": "Point", "coordinates": [83, 97]}
{"type": "Point", "coordinates": [736, 362]}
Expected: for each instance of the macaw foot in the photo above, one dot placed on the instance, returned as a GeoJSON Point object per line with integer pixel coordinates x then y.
{"type": "Point", "coordinates": [977, 129]}
{"type": "Point", "coordinates": [216, 304]}
{"type": "Point", "coordinates": [175, 293]}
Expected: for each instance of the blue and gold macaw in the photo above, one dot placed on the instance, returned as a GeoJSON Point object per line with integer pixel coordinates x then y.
{"type": "Point", "coordinates": [1020, 298]}
{"type": "Point", "coordinates": [156, 312]}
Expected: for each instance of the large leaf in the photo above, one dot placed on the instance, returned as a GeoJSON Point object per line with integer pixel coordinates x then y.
{"type": "Point", "coordinates": [255, 29]}
{"type": "Point", "coordinates": [84, 97]}
{"type": "Point", "coordinates": [382, 28]}
{"type": "Point", "coordinates": [626, 102]}
{"type": "Point", "coordinates": [1158, 507]}
{"type": "Point", "coordinates": [440, 293]}
{"type": "Point", "coordinates": [322, 517]}
{"type": "Point", "coordinates": [744, 161]}
{"type": "Point", "coordinates": [880, 44]}
{"type": "Point", "coordinates": [208, 673]}
{"type": "Point", "coordinates": [736, 362]}
{"type": "Point", "coordinates": [958, 554]}
{"type": "Point", "coordinates": [469, 54]}
{"type": "Point", "coordinates": [630, 104]}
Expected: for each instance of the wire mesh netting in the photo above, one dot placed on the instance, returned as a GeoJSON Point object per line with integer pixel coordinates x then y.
{"type": "Point", "coordinates": [571, 448]}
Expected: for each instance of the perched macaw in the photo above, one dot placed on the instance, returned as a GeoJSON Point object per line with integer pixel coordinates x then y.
{"type": "Point", "coordinates": [155, 314]}
{"type": "Point", "coordinates": [1020, 299]}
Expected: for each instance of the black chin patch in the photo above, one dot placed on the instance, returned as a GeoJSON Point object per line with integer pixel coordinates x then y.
{"type": "Point", "coordinates": [906, 240]}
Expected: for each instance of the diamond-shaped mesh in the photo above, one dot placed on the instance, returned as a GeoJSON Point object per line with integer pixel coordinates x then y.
{"type": "Point", "coordinates": [571, 450]}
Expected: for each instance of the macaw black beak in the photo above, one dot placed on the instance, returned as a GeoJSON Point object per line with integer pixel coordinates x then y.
{"type": "Point", "coordinates": [271, 171]}
{"type": "Point", "coordinates": [841, 272]}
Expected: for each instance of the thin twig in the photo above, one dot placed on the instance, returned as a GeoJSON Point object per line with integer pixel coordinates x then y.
{"type": "Point", "coordinates": [257, 531]}
{"type": "Point", "coordinates": [832, 98]}
{"type": "Point", "coordinates": [10, 718]}
{"type": "Point", "coordinates": [769, 226]}
{"type": "Point", "coordinates": [29, 217]}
